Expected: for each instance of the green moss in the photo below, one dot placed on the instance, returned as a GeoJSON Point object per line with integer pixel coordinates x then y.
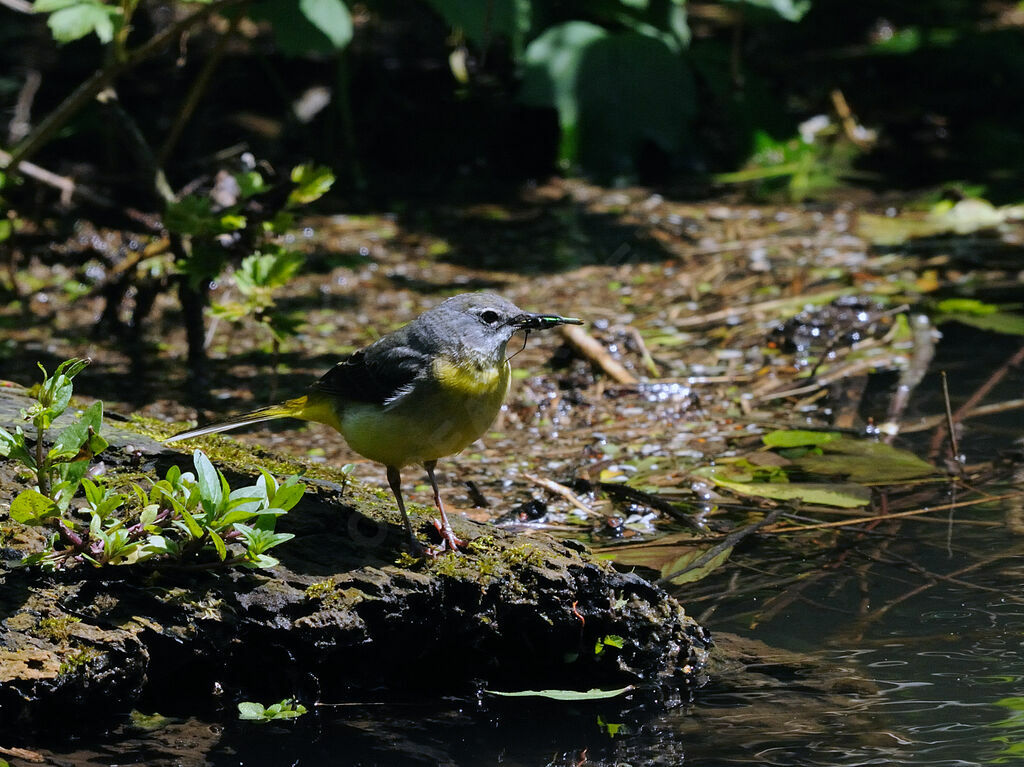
{"type": "Point", "coordinates": [325, 591]}
{"type": "Point", "coordinates": [523, 554]}
{"type": "Point", "coordinates": [450, 565]}
{"type": "Point", "coordinates": [55, 629]}
{"type": "Point", "coordinates": [75, 659]}
{"type": "Point", "coordinates": [488, 565]}
{"type": "Point", "coordinates": [407, 561]}
{"type": "Point", "coordinates": [482, 544]}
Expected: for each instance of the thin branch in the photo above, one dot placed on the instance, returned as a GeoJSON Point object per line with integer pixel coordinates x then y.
{"type": "Point", "coordinates": [972, 403]}
{"type": "Point", "coordinates": [561, 490]}
{"type": "Point", "coordinates": [100, 79]}
{"type": "Point", "coordinates": [68, 187]}
{"type": "Point", "coordinates": [594, 350]}
{"type": "Point", "coordinates": [894, 515]}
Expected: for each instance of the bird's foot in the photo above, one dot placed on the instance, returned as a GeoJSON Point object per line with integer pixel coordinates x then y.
{"type": "Point", "coordinates": [417, 549]}
{"type": "Point", "coordinates": [448, 539]}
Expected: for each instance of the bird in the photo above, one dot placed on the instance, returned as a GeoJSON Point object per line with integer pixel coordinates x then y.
{"type": "Point", "coordinates": [421, 393]}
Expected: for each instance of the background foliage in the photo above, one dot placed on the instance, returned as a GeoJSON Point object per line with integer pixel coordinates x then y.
{"type": "Point", "coordinates": [415, 97]}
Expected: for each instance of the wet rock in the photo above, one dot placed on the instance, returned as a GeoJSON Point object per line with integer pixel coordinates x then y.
{"type": "Point", "coordinates": [346, 610]}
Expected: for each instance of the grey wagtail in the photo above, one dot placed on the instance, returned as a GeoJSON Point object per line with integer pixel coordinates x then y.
{"type": "Point", "coordinates": [425, 391]}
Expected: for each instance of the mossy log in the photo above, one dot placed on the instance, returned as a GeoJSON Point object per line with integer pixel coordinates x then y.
{"type": "Point", "coordinates": [344, 611]}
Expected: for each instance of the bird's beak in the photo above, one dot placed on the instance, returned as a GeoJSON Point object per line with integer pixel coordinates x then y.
{"type": "Point", "coordinates": [541, 321]}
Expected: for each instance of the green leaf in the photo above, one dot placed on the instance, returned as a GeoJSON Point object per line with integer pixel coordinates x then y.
{"type": "Point", "coordinates": [287, 495]}
{"type": "Point", "coordinates": [31, 507]}
{"type": "Point", "coordinates": [8, 443]}
{"type": "Point", "coordinates": [611, 640]}
{"type": "Point", "coordinates": [866, 461]}
{"type": "Point", "coordinates": [595, 79]}
{"type": "Point", "coordinates": [194, 215]}
{"type": "Point", "coordinates": [798, 438]}
{"type": "Point", "coordinates": [72, 438]}
{"type": "Point", "coordinates": [966, 306]}
{"type": "Point", "coordinates": [592, 694]}
{"type": "Point", "coordinates": [250, 183]}
{"type": "Point", "coordinates": [790, 10]}
{"type": "Point", "coordinates": [55, 395]}
{"type": "Point", "coordinates": [311, 183]}
{"type": "Point", "coordinates": [13, 446]}
{"type": "Point", "coordinates": [73, 19]}
{"type": "Point", "coordinates": [331, 17]}
{"type": "Point", "coordinates": [93, 493]}
{"type": "Point", "coordinates": [999, 322]}
{"type": "Point", "coordinates": [673, 570]}
{"type": "Point", "coordinates": [251, 711]}
{"type": "Point", "coordinates": [191, 526]}
{"type": "Point", "coordinates": [218, 544]}
{"type": "Point", "coordinates": [552, 63]}
{"type": "Point", "coordinates": [840, 494]}
{"type": "Point", "coordinates": [209, 479]}
{"type": "Point", "coordinates": [285, 709]}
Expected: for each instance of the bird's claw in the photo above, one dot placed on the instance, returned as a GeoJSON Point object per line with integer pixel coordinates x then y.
{"type": "Point", "coordinates": [448, 538]}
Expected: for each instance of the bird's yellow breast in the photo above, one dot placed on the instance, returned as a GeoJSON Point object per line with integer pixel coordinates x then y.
{"type": "Point", "coordinates": [441, 415]}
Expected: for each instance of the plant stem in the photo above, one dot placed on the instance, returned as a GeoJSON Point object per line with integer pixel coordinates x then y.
{"type": "Point", "coordinates": [42, 470]}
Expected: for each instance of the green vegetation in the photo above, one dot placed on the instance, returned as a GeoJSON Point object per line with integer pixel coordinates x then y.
{"type": "Point", "coordinates": [256, 712]}
{"type": "Point", "coordinates": [58, 472]}
{"type": "Point", "coordinates": [185, 519]}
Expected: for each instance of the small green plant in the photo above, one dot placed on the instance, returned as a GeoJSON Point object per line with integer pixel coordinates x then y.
{"type": "Point", "coordinates": [256, 712]}
{"type": "Point", "coordinates": [611, 640]}
{"type": "Point", "coordinates": [211, 233]}
{"type": "Point", "coordinates": [257, 278]}
{"type": "Point", "coordinates": [184, 518]}
{"type": "Point", "coordinates": [59, 470]}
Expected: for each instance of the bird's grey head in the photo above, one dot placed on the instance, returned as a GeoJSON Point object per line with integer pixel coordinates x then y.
{"type": "Point", "coordinates": [478, 325]}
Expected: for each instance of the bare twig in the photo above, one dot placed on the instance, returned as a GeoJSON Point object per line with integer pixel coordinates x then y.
{"type": "Point", "coordinates": [930, 422]}
{"type": "Point", "coordinates": [950, 425]}
{"type": "Point", "coordinates": [645, 354]}
{"type": "Point", "coordinates": [972, 403]}
{"type": "Point", "coordinates": [68, 187]}
{"type": "Point", "coordinates": [894, 515]}
{"type": "Point", "coordinates": [594, 350]}
{"type": "Point", "coordinates": [21, 121]}
{"type": "Point", "coordinates": [912, 375]}
{"type": "Point", "coordinates": [558, 489]}
{"type": "Point", "coordinates": [196, 92]}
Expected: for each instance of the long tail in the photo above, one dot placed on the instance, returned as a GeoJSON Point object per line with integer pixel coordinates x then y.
{"type": "Point", "coordinates": [293, 408]}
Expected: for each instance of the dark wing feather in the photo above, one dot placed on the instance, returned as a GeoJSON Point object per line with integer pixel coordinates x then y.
{"type": "Point", "coordinates": [376, 374]}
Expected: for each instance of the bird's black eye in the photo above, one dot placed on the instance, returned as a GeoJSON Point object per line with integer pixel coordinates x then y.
{"type": "Point", "coordinates": [490, 316]}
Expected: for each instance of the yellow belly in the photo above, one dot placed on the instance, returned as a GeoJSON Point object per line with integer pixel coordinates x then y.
{"type": "Point", "coordinates": [440, 417]}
